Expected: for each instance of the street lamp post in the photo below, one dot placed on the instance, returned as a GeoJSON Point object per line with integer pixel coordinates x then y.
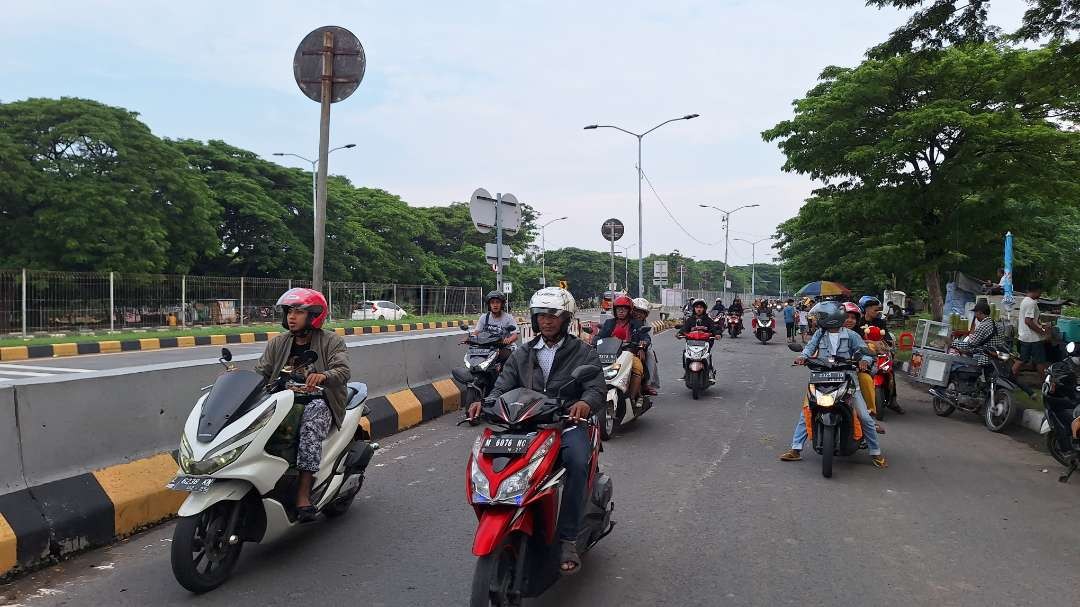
{"type": "Point", "coordinates": [753, 262]}
{"type": "Point", "coordinates": [319, 223]}
{"type": "Point", "coordinates": [727, 231]}
{"type": "Point", "coordinates": [641, 235]}
{"type": "Point", "coordinates": [543, 252]}
{"type": "Point", "coordinates": [626, 265]}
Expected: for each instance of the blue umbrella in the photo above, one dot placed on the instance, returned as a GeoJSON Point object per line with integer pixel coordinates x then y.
{"type": "Point", "coordinates": [1007, 300]}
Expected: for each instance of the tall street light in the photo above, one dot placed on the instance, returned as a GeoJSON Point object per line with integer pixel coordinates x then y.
{"type": "Point", "coordinates": [319, 220]}
{"type": "Point", "coordinates": [543, 252]}
{"type": "Point", "coordinates": [626, 265]}
{"type": "Point", "coordinates": [640, 233]}
{"type": "Point", "coordinates": [753, 262]}
{"type": "Point", "coordinates": [727, 230]}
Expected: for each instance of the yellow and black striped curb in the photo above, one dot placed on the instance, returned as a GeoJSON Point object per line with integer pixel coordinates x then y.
{"type": "Point", "coordinates": [188, 341]}
{"type": "Point", "coordinates": [48, 522]}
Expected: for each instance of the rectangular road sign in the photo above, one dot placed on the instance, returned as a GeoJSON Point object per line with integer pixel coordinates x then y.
{"type": "Point", "coordinates": [490, 250]}
{"type": "Point", "coordinates": [660, 282]}
{"type": "Point", "coordinates": [508, 288]}
{"type": "Point", "coordinates": [660, 269]}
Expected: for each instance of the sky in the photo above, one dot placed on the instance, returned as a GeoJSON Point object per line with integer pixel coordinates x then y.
{"type": "Point", "coordinates": [461, 95]}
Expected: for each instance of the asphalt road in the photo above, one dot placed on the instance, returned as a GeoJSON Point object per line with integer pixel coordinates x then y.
{"type": "Point", "coordinates": [93, 362]}
{"type": "Point", "coordinates": [706, 515]}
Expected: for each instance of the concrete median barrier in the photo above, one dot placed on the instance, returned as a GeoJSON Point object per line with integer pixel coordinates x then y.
{"type": "Point", "coordinates": [84, 459]}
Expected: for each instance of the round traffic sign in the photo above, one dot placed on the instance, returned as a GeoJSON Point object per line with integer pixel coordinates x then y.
{"type": "Point", "coordinates": [612, 229]}
{"type": "Point", "coordinates": [348, 63]}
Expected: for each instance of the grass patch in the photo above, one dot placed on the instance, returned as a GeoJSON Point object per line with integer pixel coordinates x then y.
{"type": "Point", "coordinates": [212, 330]}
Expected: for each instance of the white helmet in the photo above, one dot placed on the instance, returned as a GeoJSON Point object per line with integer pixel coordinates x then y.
{"type": "Point", "coordinates": [640, 303]}
{"type": "Point", "coordinates": [552, 300]}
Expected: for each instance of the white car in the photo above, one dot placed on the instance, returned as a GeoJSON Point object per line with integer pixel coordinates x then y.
{"type": "Point", "coordinates": [378, 310]}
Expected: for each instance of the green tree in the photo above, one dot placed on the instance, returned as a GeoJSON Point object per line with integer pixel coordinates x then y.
{"type": "Point", "coordinates": [929, 143]}
{"type": "Point", "coordinates": [89, 187]}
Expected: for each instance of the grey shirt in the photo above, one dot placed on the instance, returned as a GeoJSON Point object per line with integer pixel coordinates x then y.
{"type": "Point", "coordinates": [503, 325]}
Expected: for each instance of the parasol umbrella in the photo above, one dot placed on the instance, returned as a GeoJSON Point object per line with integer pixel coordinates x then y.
{"type": "Point", "coordinates": [824, 288]}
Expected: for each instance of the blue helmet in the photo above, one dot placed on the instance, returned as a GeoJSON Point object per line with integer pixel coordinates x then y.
{"type": "Point", "coordinates": [868, 299]}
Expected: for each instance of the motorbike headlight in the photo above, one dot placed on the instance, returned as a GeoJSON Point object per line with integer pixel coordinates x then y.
{"type": "Point", "coordinates": [488, 361]}
{"type": "Point", "coordinates": [212, 464]}
{"type": "Point", "coordinates": [825, 400]}
{"type": "Point", "coordinates": [480, 488]}
{"type": "Point", "coordinates": [611, 372]}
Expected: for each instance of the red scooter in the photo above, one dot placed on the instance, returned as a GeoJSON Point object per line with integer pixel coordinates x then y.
{"type": "Point", "coordinates": [884, 380]}
{"type": "Point", "coordinates": [515, 483]}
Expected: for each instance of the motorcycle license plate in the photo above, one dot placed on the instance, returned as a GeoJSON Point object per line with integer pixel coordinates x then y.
{"type": "Point", "coordinates": [824, 377]}
{"type": "Point", "coordinates": [506, 445]}
{"type": "Point", "coordinates": [191, 484]}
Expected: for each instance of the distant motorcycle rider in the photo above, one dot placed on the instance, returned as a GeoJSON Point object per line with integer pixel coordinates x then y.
{"type": "Point", "coordinates": [623, 326]}
{"type": "Point", "coordinates": [699, 318]}
{"type": "Point", "coordinates": [718, 308]}
{"type": "Point", "coordinates": [652, 377]}
{"type": "Point", "coordinates": [497, 321]}
{"type": "Point", "coordinates": [544, 364]}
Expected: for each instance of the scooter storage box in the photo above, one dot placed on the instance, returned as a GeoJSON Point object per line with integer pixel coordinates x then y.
{"type": "Point", "coordinates": [936, 366]}
{"type": "Point", "coordinates": [1070, 329]}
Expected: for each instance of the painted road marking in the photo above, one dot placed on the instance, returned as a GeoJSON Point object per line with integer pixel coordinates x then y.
{"type": "Point", "coordinates": [36, 368]}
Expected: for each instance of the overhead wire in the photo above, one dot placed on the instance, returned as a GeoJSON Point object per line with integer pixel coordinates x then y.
{"type": "Point", "coordinates": [676, 221]}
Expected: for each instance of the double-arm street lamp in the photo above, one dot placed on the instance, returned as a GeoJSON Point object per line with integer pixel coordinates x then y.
{"type": "Point", "coordinates": [641, 235]}
{"type": "Point", "coordinates": [543, 251]}
{"type": "Point", "coordinates": [319, 226]}
{"type": "Point", "coordinates": [727, 232]}
{"type": "Point", "coordinates": [753, 262]}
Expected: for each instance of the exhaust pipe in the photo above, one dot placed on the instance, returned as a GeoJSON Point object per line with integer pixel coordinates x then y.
{"type": "Point", "coordinates": [938, 393]}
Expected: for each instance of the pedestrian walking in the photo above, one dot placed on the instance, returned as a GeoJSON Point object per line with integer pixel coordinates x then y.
{"type": "Point", "coordinates": [804, 323]}
{"type": "Point", "coordinates": [789, 320]}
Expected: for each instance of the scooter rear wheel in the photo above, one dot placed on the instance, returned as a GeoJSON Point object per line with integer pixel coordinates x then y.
{"type": "Point", "coordinates": [999, 414]}
{"type": "Point", "coordinates": [493, 577]}
{"type": "Point", "coordinates": [202, 558]}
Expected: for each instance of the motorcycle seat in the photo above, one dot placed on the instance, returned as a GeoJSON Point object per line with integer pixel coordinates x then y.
{"type": "Point", "coordinates": [356, 393]}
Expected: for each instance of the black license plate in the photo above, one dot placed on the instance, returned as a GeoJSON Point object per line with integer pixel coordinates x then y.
{"type": "Point", "coordinates": [191, 484]}
{"type": "Point", "coordinates": [506, 445]}
{"type": "Point", "coordinates": [825, 377]}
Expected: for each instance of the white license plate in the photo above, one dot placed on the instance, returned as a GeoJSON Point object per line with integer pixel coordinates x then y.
{"type": "Point", "coordinates": [191, 484]}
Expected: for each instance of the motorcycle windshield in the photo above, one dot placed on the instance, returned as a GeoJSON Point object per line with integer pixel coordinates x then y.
{"type": "Point", "coordinates": [234, 394]}
{"type": "Point", "coordinates": [608, 349]}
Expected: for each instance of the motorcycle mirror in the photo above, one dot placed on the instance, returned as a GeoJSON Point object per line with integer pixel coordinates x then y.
{"type": "Point", "coordinates": [307, 358]}
{"type": "Point", "coordinates": [461, 375]}
{"type": "Point", "coordinates": [226, 355]}
{"type": "Point", "coordinates": [463, 327]}
{"type": "Point", "coordinates": [794, 348]}
{"type": "Point", "coordinates": [586, 329]}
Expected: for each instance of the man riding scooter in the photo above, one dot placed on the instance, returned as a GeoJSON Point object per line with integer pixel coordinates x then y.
{"type": "Point", "coordinates": [623, 326]}
{"type": "Point", "coordinates": [302, 314]}
{"type": "Point", "coordinates": [544, 365]}
{"type": "Point", "coordinates": [871, 317]}
{"type": "Point", "coordinates": [699, 318]}
{"type": "Point", "coordinates": [499, 322]}
{"type": "Point", "coordinates": [652, 376]}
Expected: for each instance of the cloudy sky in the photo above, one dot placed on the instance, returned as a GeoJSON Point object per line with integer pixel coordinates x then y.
{"type": "Point", "coordinates": [460, 95]}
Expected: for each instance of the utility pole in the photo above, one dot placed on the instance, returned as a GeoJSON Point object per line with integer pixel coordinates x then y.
{"type": "Point", "coordinates": [753, 262]}
{"type": "Point", "coordinates": [727, 233]}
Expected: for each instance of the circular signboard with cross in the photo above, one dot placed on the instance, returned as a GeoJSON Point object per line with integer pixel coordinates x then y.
{"type": "Point", "coordinates": [612, 230]}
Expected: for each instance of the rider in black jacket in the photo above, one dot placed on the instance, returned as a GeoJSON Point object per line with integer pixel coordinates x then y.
{"type": "Point", "coordinates": [698, 318]}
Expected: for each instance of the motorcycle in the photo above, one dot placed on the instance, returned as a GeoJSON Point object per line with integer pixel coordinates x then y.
{"type": "Point", "coordinates": [969, 389]}
{"type": "Point", "coordinates": [481, 365]}
{"type": "Point", "coordinates": [236, 457]}
{"type": "Point", "coordinates": [832, 422]}
{"type": "Point", "coordinates": [1061, 395]}
{"type": "Point", "coordinates": [617, 358]}
{"type": "Point", "coordinates": [884, 379]}
{"type": "Point", "coordinates": [697, 360]}
{"type": "Point", "coordinates": [763, 326]}
{"type": "Point", "coordinates": [515, 486]}
{"type": "Point", "coordinates": [734, 324]}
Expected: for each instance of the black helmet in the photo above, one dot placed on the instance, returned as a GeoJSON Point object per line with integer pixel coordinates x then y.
{"type": "Point", "coordinates": [495, 295]}
{"type": "Point", "coordinates": [828, 314]}
{"type": "Point", "coordinates": [698, 302]}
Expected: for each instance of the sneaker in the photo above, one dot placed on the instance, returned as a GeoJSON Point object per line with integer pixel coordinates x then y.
{"type": "Point", "coordinates": [879, 461]}
{"type": "Point", "coordinates": [791, 455]}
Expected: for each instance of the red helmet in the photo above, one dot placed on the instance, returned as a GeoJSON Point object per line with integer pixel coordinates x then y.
{"type": "Point", "coordinates": [623, 301]}
{"type": "Point", "coordinates": [852, 308]}
{"type": "Point", "coordinates": [874, 333]}
{"type": "Point", "coordinates": [309, 300]}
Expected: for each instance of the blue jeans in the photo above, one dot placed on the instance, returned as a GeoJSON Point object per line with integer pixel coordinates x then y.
{"type": "Point", "coordinates": [575, 453]}
{"type": "Point", "coordinates": [869, 427]}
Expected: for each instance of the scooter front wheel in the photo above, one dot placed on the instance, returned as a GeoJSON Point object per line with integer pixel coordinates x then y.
{"type": "Point", "coordinates": [202, 557]}
{"type": "Point", "coordinates": [609, 421]}
{"type": "Point", "coordinates": [493, 578]}
{"type": "Point", "coordinates": [828, 449]}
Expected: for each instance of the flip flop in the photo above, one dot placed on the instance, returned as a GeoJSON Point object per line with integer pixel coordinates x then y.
{"type": "Point", "coordinates": [571, 557]}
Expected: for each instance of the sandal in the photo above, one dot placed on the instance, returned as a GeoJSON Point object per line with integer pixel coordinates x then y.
{"type": "Point", "coordinates": [879, 462]}
{"type": "Point", "coordinates": [570, 562]}
{"type": "Point", "coordinates": [791, 455]}
{"type": "Point", "coordinates": [306, 514]}
{"type": "Point", "coordinates": [880, 429]}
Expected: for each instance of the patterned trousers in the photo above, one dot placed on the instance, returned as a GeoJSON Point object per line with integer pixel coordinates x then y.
{"type": "Point", "coordinates": [314, 426]}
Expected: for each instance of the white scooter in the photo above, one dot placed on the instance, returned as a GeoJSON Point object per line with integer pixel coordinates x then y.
{"type": "Point", "coordinates": [235, 458]}
{"type": "Point", "coordinates": [617, 357]}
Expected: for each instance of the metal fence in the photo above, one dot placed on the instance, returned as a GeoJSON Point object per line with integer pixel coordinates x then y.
{"type": "Point", "coordinates": [46, 301]}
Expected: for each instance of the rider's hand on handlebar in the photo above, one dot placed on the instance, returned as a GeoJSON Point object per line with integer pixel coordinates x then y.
{"type": "Point", "coordinates": [580, 411]}
{"type": "Point", "coordinates": [314, 379]}
{"type": "Point", "coordinates": [474, 410]}
{"type": "Point", "coordinates": [800, 360]}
